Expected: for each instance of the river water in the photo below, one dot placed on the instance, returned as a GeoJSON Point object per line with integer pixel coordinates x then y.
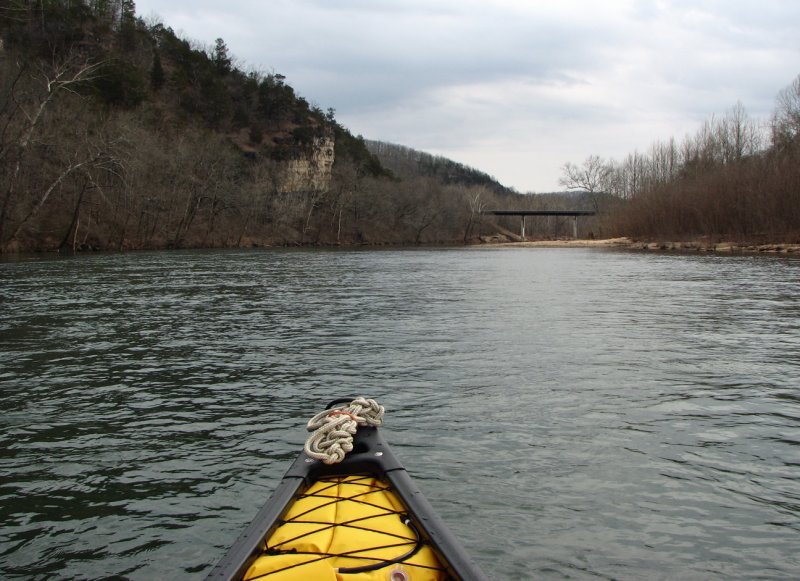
{"type": "Point", "coordinates": [571, 413]}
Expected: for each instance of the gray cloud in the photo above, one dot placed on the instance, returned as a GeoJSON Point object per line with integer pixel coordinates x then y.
{"type": "Point", "coordinates": [515, 88]}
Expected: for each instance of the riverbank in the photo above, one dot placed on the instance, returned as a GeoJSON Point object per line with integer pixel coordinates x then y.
{"type": "Point", "coordinates": [691, 246]}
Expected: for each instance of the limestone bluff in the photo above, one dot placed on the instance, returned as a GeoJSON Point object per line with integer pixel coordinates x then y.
{"type": "Point", "coordinates": [311, 171]}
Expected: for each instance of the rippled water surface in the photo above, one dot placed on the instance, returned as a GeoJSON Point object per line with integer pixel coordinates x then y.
{"type": "Point", "coordinates": [572, 414]}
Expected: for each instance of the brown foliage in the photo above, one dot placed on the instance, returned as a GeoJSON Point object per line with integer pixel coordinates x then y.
{"type": "Point", "coordinates": [724, 182]}
{"type": "Point", "coordinates": [82, 166]}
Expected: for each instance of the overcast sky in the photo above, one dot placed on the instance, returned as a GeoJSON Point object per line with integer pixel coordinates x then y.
{"type": "Point", "coordinates": [515, 88]}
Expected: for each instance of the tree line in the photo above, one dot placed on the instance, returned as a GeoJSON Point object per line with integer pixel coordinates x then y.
{"type": "Point", "coordinates": [115, 133]}
{"type": "Point", "coordinates": [736, 178]}
{"type": "Point", "coordinates": [118, 134]}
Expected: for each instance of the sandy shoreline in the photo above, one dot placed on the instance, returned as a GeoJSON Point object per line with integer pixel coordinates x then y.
{"type": "Point", "coordinates": [627, 243]}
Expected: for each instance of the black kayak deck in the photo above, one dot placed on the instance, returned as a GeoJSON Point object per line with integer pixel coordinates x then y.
{"type": "Point", "coordinates": [370, 455]}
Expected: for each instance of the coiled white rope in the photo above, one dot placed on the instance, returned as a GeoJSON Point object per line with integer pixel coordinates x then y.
{"type": "Point", "coordinates": [333, 429]}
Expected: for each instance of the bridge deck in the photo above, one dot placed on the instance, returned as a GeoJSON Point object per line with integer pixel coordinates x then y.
{"type": "Point", "coordinates": [541, 212]}
{"type": "Point", "coordinates": [522, 213]}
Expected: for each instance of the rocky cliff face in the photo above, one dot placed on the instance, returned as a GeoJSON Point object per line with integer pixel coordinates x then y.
{"type": "Point", "coordinates": [311, 173]}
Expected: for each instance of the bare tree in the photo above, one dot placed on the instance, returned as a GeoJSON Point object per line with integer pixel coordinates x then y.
{"type": "Point", "coordinates": [345, 184]}
{"type": "Point", "coordinates": [738, 135]}
{"type": "Point", "coordinates": [786, 120]}
{"type": "Point", "coordinates": [593, 176]}
{"type": "Point", "coordinates": [590, 176]}
{"type": "Point", "coordinates": [476, 205]}
{"type": "Point", "coordinates": [29, 95]}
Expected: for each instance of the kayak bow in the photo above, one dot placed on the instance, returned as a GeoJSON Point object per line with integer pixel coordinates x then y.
{"type": "Point", "coordinates": [358, 519]}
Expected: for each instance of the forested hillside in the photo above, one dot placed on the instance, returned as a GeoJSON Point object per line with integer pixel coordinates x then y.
{"type": "Point", "coordinates": [413, 166]}
{"type": "Point", "coordinates": [407, 162]}
{"type": "Point", "coordinates": [115, 133]}
{"type": "Point", "coordinates": [118, 134]}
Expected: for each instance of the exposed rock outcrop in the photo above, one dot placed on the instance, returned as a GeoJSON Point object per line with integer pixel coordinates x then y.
{"type": "Point", "coordinates": [309, 173]}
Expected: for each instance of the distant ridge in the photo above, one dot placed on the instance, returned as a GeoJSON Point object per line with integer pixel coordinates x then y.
{"type": "Point", "coordinates": [406, 162]}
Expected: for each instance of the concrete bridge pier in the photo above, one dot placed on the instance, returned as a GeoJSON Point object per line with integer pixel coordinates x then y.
{"type": "Point", "coordinates": [523, 213]}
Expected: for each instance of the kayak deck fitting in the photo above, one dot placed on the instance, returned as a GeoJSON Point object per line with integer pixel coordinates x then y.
{"type": "Point", "coordinates": [361, 518]}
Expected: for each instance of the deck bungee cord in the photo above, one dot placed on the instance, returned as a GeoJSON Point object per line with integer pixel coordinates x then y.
{"type": "Point", "coordinates": [326, 491]}
{"type": "Point", "coordinates": [346, 510]}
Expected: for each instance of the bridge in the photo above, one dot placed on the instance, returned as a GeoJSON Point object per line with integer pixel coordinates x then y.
{"type": "Point", "coordinates": [523, 213]}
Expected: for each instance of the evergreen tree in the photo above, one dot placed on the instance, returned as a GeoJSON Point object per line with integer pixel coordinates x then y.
{"type": "Point", "coordinates": [156, 73]}
{"type": "Point", "coordinates": [127, 25]}
{"type": "Point", "coordinates": [220, 58]}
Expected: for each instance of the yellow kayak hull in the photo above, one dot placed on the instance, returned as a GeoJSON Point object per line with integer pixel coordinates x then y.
{"type": "Point", "coordinates": [343, 523]}
{"type": "Point", "coordinates": [360, 519]}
